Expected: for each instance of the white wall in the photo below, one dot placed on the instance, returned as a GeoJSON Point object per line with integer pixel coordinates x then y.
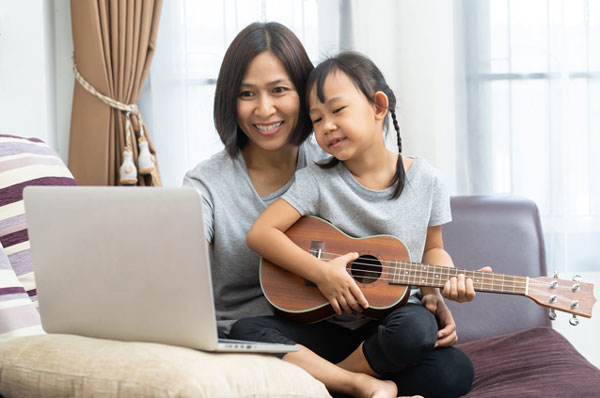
{"type": "Point", "coordinates": [36, 80]}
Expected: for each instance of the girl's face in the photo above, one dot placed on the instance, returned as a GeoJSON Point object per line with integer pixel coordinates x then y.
{"type": "Point", "coordinates": [268, 104]}
{"type": "Point", "coordinates": [347, 124]}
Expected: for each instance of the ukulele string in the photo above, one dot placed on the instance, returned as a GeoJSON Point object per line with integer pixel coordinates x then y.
{"type": "Point", "coordinates": [485, 285]}
{"type": "Point", "coordinates": [419, 268]}
{"type": "Point", "coordinates": [403, 271]}
{"type": "Point", "coordinates": [424, 281]}
{"type": "Point", "coordinates": [420, 280]}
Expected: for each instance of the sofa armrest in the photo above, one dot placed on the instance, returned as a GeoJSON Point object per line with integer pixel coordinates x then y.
{"type": "Point", "coordinates": [505, 233]}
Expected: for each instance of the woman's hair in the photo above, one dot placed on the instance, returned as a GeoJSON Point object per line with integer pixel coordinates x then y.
{"type": "Point", "coordinates": [367, 78]}
{"type": "Point", "coordinates": [250, 42]}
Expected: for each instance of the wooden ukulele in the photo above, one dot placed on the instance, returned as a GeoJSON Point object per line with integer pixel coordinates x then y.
{"type": "Point", "coordinates": [384, 274]}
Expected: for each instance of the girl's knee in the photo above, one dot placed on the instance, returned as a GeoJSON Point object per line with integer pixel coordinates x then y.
{"type": "Point", "coordinates": [455, 373]}
{"type": "Point", "coordinates": [409, 335]}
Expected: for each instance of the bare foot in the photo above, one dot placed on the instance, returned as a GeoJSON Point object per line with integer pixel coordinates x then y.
{"type": "Point", "coordinates": [370, 387]}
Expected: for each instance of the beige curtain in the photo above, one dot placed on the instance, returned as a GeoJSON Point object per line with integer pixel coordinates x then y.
{"type": "Point", "coordinates": [114, 42]}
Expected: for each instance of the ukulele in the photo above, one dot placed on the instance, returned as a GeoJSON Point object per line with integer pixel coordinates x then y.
{"type": "Point", "coordinates": [384, 274]}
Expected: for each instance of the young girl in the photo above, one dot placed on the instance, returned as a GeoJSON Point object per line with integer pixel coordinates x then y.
{"type": "Point", "coordinates": [364, 189]}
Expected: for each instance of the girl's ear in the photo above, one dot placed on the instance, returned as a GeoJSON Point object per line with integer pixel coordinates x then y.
{"type": "Point", "coordinates": [381, 105]}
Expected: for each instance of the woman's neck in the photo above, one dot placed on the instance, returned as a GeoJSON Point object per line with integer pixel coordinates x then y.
{"type": "Point", "coordinates": [270, 170]}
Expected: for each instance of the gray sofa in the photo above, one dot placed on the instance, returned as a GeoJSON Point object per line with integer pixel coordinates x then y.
{"type": "Point", "coordinates": [514, 350]}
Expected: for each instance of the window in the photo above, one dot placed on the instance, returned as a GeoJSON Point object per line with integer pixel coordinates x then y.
{"type": "Point", "coordinates": [533, 70]}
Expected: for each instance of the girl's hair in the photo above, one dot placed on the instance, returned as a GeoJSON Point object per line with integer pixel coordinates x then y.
{"type": "Point", "coordinates": [253, 40]}
{"type": "Point", "coordinates": [367, 78]}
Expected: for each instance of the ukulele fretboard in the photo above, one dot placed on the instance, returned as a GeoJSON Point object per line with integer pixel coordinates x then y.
{"type": "Point", "coordinates": [406, 273]}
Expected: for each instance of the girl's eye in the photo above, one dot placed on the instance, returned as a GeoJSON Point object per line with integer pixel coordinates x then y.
{"type": "Point", "coordinates": [246, 94]}
{"type": "Point", "coordinates": [338, 109]}
{"type": "Point", "coordinates": [317, 120]}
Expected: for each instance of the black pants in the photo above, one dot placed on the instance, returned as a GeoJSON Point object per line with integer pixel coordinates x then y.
{"type": "Point", "coordinates": [399, 347]}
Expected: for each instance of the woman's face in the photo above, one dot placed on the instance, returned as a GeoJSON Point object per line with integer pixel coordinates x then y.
{"type": "Point", "coordinates": [268, 104]}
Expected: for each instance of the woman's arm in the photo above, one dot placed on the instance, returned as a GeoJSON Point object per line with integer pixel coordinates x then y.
{"type": "Point", "coordinates": [456, 288]}
{"type": "Point", "coordinates": [267, 238]}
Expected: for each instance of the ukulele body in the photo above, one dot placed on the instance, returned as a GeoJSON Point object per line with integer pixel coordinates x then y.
{"type": "Point", "coordinates": [295, 297]}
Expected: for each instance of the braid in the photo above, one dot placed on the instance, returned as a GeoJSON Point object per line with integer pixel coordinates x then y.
{"type": "Point", "coordinates": [397, 128]}
{"type": "Point", "coordinates": [400, 176]}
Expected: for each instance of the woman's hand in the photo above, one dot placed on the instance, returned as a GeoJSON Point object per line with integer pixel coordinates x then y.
{"type": "Point", "coordinates": [338, 286]}
{"type": "Point", "coordinates": [446, 336]}
{"type": "Point", "coordinates": [461, 289]}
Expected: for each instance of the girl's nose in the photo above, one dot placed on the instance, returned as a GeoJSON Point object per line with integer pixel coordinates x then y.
{"type": "Point", "coordinates": [328, 125]}
{"type": "Point", "coordinates": [265, 106]}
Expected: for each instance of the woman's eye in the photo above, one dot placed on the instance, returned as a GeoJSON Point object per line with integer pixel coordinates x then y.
{"type": "Point", "coordinates": [246, 94]}
{"type": "Point", "coordinates": [279, 90]}
{"type": "Point", "coordinates": [338, 109]}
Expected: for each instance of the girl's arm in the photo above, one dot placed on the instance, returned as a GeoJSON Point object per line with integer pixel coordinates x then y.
{"type": "Point", "coordinates": [267, 238]}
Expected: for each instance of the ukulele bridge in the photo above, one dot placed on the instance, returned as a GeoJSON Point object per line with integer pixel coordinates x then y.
{"type": "Point", "coordinates": [317, 248]}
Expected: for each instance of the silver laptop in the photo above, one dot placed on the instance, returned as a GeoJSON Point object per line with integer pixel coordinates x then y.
{"type": "Point", "coordinates": [126, 264]}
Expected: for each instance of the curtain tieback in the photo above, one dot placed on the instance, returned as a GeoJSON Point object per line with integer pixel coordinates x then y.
{"type": "Point", "coordinates": [127, 171]}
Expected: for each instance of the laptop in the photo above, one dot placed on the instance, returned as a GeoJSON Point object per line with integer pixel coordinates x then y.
{"type": "Point", "coordinates": [126, 263]}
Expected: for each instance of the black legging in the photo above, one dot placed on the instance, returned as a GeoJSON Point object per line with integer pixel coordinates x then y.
{"type": "Point", "coordinates": [399, 347]}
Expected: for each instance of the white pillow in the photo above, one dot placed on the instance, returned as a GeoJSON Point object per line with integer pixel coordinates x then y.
{"type": "Point", "coordinates": [58, 365]}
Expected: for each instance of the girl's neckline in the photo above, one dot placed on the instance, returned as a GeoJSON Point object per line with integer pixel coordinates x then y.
{"type": "Point", "coordinates": [347, 176]}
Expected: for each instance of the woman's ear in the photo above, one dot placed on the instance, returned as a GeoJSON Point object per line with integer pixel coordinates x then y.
{"type": "Point", "coordinates": [381, 105]}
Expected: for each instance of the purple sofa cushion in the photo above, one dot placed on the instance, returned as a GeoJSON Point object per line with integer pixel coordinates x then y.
{"type": "Point", "coordinates": [23, 162]}
{"type": "Point", "coordinates": [537, 362]}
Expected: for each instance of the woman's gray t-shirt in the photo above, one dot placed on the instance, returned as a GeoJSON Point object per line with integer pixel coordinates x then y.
{"type": "Point", "coordinates": [230, 207]}
{"type": "Point", "coordinates": [335, 195]}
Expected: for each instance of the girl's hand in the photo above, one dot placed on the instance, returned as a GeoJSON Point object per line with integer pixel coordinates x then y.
{"type": "Point", "coordinates": [339, 288]}
{"type": "Point", "coordinates": [461, 289]}
{"type": "Point", "coordinates": [446, 336]}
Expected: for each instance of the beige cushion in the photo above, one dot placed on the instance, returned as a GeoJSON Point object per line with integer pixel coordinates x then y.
{"type": "Point", "coordinates": [58, 365]}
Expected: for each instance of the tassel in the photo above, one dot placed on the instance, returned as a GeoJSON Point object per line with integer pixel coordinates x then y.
{"type": "Point", "coordinates": [127, 172]}
{"type": "Point", "coordinates": [145, 162]}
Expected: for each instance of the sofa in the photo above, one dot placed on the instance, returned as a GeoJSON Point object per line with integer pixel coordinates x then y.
{"type": "Point", "coordinates": [508, 338]}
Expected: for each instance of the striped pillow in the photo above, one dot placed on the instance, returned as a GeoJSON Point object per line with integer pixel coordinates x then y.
{"type": "Point", "coordinates": [18, 315]}
{"type": "Point", "coordinates": [23, 162]}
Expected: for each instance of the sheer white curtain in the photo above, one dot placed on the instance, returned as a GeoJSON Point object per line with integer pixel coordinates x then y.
{"type": "Point", "coordinates": [502, 96]}
{"type": "Point", "coordinates": [532, 72]}
{"type": "Point", "coordinates": [412, 42]}
{"type": "Point", "coordinates": [193, 37]}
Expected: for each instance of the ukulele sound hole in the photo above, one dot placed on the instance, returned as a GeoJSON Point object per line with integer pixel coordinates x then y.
{"type": "Point", "coordinates": [366, 269]}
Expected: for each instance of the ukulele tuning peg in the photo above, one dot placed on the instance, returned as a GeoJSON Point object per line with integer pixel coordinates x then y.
{"type": "Point", "coordinates": [552, 314]}
{"type": "Point", "coordinates": [574, 321]}
{"type": "Point", "coordinates": [576, 278]}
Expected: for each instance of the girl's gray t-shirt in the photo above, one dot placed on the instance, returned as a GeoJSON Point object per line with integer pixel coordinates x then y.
{"type": "Point", "coordinates": [335, 195]}
{"type": "Point", "coordinates": [230, 205]}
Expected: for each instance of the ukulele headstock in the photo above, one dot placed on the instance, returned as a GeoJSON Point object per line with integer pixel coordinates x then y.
{"type": "Point", "coordinates": [574, 297]}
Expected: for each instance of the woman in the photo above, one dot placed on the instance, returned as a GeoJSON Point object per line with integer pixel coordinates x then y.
{"type": "Point", "coordinates": [260, 114]}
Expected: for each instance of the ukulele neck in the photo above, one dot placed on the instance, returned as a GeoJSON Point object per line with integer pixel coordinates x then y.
{"type": "Point", "coordinates": [406, 273]}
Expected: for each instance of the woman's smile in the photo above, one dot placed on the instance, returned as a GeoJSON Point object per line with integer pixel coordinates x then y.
{"type": "Point", "coordinates": [268, 129]}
